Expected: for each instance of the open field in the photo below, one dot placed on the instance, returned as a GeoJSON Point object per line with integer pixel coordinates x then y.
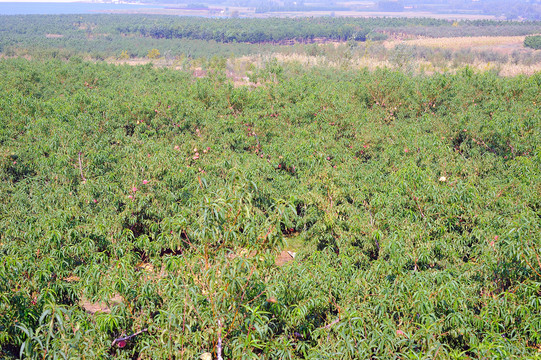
{"type": "Point", "coordinates": [369, 14]}
{"type": "Point", "coordinates": [249, 12]}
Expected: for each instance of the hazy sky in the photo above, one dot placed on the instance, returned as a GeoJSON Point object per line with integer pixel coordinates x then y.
{"type": "Point", "coordinates": [22, 1]}
{"type": "Point", "coordinates": [510, 2]}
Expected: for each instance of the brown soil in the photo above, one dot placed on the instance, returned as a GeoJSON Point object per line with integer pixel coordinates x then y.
{"type": "Point", "coordinates": [284, 258]}
{"type": "Point", "coordinates": [96, 307]}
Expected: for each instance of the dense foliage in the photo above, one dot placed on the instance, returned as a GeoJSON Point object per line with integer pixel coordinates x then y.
{"type": "Point", "coordinates": [533, 41]}
{"type": "Point", "coordinates": [413, 200]}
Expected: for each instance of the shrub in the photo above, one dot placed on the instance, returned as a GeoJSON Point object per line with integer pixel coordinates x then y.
{"type": "Point", "coordinates": [533, 41]}
{"type": "Point", "coordinates": [153, 54]}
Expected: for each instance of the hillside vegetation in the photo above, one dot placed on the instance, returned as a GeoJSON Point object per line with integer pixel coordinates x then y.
{"type": "Point", "coordinates": [100, 36]}
{"type": "Point", "coordinates": [413, 203]}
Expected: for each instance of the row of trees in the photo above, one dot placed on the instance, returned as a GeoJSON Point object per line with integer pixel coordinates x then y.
{"type": "Point", "coordinates": [307, 29]}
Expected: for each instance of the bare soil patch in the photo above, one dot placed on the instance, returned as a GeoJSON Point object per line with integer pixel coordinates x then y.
{"type": "Point", "coordinates": [284, 257]}
{"type": "Point", "coordinates": [95, 307]}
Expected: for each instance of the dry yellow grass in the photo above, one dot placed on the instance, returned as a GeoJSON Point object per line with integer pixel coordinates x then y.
{"type": "Point", "coordinates": [460, 42]}
{"type": "Point", "coordinates": [427, 67]}
{"type": "Point", "coordinates": [517, 69]}
{"type": "Point", "coordinates": [238, 68]}
{"type": "Point", "coordinates": [419, 66]}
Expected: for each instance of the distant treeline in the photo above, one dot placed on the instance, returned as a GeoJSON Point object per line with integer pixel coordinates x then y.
{"type": "Point", "coordinates": [304, 29]}
{"type": "Point", "coordinates": [264, 30]}
{"type": "Point", "coordinates": [273, 7]}
{"type": "Point", "coordinates": [103, 35]}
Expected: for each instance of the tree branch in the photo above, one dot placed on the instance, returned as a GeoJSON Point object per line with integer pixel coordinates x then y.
{"type": "Point", "coordinates": [81, 167]}
{"type": "Point", "coordinates": [219, 344]}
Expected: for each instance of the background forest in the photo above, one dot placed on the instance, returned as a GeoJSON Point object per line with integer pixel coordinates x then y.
{"type": "Point", "coordinates": [238, 46]}
{"type": "Point", "coordinates": [144, 199]}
